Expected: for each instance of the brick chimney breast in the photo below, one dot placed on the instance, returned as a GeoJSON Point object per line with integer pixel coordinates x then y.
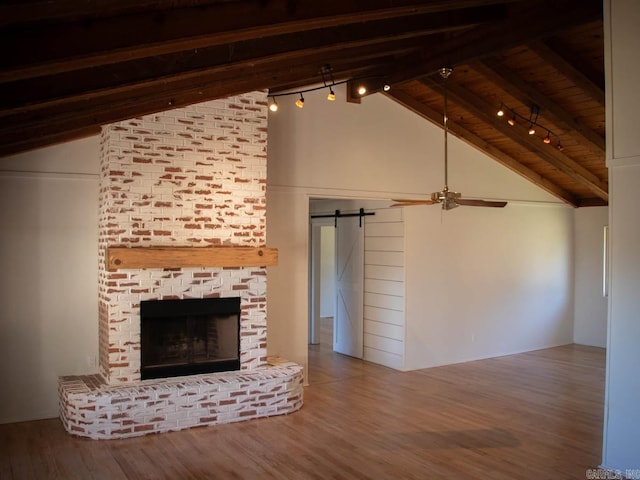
{"type": "Point", "coordinates": [189, 177]}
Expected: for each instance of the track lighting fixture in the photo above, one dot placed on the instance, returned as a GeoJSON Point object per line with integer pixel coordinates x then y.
{"type": "Point", "coordinates": [328, 82]}
{"type": "Point", "coordinates": [532, 120]}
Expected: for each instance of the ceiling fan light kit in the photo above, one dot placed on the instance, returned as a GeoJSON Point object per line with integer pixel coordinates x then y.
{"type": "Point", "coordinates": [449, 199]}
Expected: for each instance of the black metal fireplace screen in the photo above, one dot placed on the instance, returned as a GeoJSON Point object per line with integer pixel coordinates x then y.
{"type": "Point", "coordinates": [188, 337]}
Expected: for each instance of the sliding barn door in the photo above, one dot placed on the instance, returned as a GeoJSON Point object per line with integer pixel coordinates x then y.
{"type": "Point", "coordinates": [348, 322]}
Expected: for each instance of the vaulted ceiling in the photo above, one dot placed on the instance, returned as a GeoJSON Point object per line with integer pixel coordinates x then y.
{"type": "Point", "coordinates": [69, 66]}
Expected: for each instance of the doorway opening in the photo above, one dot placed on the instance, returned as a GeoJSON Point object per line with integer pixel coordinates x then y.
{"type": "Point", "coordinates": [323, 299]}
{"type": "Point", "coordinates": [356, 285]}
{"type": "Point", "coordinates": [337, 276]}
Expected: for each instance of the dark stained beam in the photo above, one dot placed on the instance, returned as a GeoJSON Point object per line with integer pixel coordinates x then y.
{"type": "Point", "coordinates": [384, 38]}
{"type": "Point", "coordinates": [254, 74]}
{"type": "Point", "coordinates": [526, 22]}
{"type": "Point", "coordinates": [37, 11]}
{"type": "Point", "coordinates": [66, 90]}
{"type": "Point", "coordinates": [458, 130]}
{"type": "Point", "coordinates": [582, 64]}
{"type": "Point", "coordinates": [592, 202]}
{"type": "Point", "coordinates": [485, 111]}
{"type": "Point", "coordinates": [56, 47]}
{"type": "Point", "coordinates": [593, 87]}
{"type": "Point", "coordinates": [526, 93]}
{"type": "Point", "coordinates": [46, 126]}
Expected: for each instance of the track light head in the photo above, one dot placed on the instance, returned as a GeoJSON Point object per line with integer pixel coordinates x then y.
{"type": "Point", "coordinates": [300, 102]}
{"type": "Point", "coordinates": [273, 106]}
{"type": "Point", "coordinates": [362, 90]}
{"type": "Point", "coordinates": [331, 96]}
{"type": "Point", "coordinates": [534, 114]}
{"type": "Point", "coordinates": [386, 87]}
{"type": "Point", "coordinates": [445, 72]}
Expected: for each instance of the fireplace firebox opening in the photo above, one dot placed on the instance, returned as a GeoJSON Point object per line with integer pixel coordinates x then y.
{"type": "Point", "coordinates": [189, 337]}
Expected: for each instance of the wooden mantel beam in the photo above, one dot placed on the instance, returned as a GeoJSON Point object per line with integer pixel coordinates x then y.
{"type": "Point", "coordinates": [118, 258]}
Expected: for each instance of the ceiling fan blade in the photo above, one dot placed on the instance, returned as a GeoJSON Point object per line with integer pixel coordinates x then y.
{"type": "Point", "coordinates": [480, 203]}
{"type": "Point", "coordinates": [410, 203]}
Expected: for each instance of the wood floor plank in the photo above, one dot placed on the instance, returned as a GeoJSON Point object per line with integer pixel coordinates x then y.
{"type": "Point", "coordinates": [531, 415]}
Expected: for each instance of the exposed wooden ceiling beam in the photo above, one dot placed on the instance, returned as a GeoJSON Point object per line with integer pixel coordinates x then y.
{"type": "Point", "coordinates": [580, 63]}
{"type": "Point", "coordinates": [552, 56]}
{"type": "Point", "coordinates": [518, 134]}
{"type": "Point", "coordinates": [458, 130]}
{"type": "Point", "coordinates": [526, 93]}
{"type": "Point", "coordinates": [46, 125]}
{"type": "Point", "coordinates": [252, 73]}
{"type": "Point", "coordinates": [45, 48]}
{"type": "Point", "coordinates": [592, 202]}
{"type": "Point", "coordinates": [384, 38]}
{"type": "Point", "coordinates": [526, 22]}
{"type": "Point", "coordinates": [37, 11]}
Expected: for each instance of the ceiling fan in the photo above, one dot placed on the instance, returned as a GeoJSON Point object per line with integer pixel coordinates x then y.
{"type": "Point", "coordinates": [448, 198]}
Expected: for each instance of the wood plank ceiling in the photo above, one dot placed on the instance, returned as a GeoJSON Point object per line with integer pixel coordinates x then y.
{"type": "Point", "coordinates": [69, 66]}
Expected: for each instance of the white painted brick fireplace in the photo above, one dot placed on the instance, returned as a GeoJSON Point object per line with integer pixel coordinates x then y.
{"type": "Point", "coordinates": [189, 177]}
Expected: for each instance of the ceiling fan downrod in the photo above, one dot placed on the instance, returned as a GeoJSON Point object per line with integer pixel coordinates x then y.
{"type": "Point", "coordinates": [446, 197]}
{"type": "Point", "coordinates": [444, 73]}
{"type": "Point", "coordinates": [449, 199]}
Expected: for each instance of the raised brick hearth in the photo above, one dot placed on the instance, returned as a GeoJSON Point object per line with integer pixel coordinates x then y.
{"type": "Point", "coordinates": [96, 410]}
{"type": "Point", "coordinates": [190, 177]}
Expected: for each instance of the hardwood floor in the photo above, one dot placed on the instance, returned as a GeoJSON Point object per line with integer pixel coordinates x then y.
{"type": "Point", "coordinates": [535, 415]}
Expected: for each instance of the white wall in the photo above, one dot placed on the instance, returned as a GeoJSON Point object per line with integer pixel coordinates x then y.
{"type": "Point", "coordinates": [381, 150]}
{"type": "Point", "coordinates": [288, 282]}
{"type": "Point", "coordinates": [484, 284]}
{"type": "Point", "coordinates": [590, 305]}
{"type": "Point", "coordinates": [48, 274]}
{"type": "Point", "coordinates": [77, 157]}
{"type": "Point", "coordinates": [622, 416]}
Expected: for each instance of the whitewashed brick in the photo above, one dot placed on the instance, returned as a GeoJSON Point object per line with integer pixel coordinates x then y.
{"type": "Point", "coordinates": [158, 176]}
